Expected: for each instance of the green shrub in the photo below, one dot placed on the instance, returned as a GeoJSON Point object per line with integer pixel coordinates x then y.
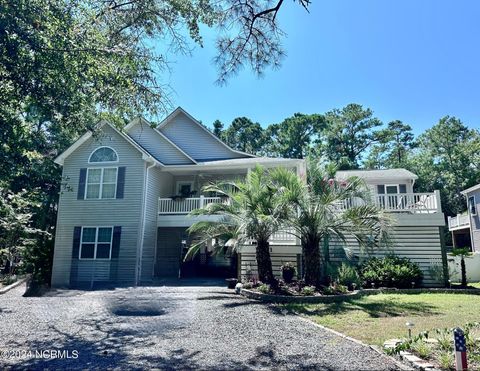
{"type": "Point", "coordinates": [422, 349]}
{"type": "Point", "coordinates": [308, 291]}
{"type": "Point", "coordinates": [348, 276]}
{"type": "Point", "coordinates": [390, 271]}
{"type": "Point", "coordinates": [264, 288]}
{"type": "Point", "coordinates": [8, 280]}
{"type": "Point", "coordinates": [288, 272]}
{"type": "Point", "coordinates": [335, 289]}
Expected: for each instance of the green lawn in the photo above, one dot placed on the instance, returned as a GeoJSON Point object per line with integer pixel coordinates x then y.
{"type": "Point", "coordinates": [376, 318]}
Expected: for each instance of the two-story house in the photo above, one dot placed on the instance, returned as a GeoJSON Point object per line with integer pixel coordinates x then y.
{"type": "Point", "coordinates": [122, 216]}
{"type": "Point", "coordinates": [123, 211]}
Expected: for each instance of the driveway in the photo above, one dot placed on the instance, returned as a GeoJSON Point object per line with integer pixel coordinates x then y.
{"type": "Point", "coordinates": [167, 327]}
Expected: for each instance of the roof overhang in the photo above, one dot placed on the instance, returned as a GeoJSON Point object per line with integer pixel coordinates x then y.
{"type": "Point", "coordinates": [471, 189]}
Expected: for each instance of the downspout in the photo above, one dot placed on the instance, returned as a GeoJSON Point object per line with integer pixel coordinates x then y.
{"type": "Point", "coordinates": [142, 229]}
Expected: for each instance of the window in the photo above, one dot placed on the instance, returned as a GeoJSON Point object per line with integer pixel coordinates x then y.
{"type": "Point", "coordinates": [101, 183]}
{"type": "Point", "coordinates": [96, 243]}
{"type": "Point", "coordinates": [472, 207]}
{"type": "Point", "coordinates": [185, 188]}
{"type": "Point", "coordinates": [103, 154]}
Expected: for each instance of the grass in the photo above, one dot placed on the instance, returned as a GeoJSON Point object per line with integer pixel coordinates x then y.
{"type": "Point", "coordinates": [376, 318]}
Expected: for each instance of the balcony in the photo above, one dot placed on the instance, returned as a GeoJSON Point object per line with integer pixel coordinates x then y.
{"type": "Point", "coordinates": [171, 206]}
{"type": "Point", "coordinates": [414, 203]}
{"type": "Point", "coordinates": [460, 221]}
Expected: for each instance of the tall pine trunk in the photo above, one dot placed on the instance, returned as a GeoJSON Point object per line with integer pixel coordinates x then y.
{"type": "Point", "coordinates": [264, 262]}
{"type": "Point", "coordinates": [313, 262]}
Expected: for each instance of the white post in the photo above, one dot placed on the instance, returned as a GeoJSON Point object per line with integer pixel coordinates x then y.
{"type": "Point", "coordinates": [201, 200]}
{"type": "Point", "coordinates": [439, 200]}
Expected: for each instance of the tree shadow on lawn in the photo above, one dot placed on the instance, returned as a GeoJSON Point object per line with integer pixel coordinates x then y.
{"type": "Point", "coordinates": [387, 308]}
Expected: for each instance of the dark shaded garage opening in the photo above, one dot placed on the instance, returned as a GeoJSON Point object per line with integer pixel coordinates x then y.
{"type": "Point", "coordinates": [213, 261]}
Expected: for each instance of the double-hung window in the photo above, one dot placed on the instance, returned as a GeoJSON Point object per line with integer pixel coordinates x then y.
{"type": "Point", "coordinates": [96, 243]}
{"type": "Point", "coordinates": [101, 183]}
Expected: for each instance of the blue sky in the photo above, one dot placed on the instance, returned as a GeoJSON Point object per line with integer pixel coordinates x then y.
{"type": "Point", "coordinates": [410, 60]}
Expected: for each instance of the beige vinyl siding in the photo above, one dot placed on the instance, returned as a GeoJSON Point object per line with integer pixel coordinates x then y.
{"type": "Point", "coordinates": [124, 212]}
{"type": "Point", "coordinates": [158, 146]}
{"type": "Point", "coordinates": [195, 141]}
{"type": "Point", "coordinates": [158, 183]}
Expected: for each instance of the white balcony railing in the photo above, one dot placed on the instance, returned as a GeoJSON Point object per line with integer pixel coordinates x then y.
{"type": "Point", "coordinates": [417, 203]}
{"type": "Point", "coordinates": [458, 221]}
{"type": "Point", "coordinates": [186, 205]}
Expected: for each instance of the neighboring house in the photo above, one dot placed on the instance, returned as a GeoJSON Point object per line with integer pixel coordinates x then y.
{"type": "Point", "coordinates": [465, 228]}
{"type": "Point", "coordinates": [123, 212]}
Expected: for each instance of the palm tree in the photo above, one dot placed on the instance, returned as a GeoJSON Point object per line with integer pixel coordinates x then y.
{"type": "Point", "coordinates": [323, 209]}
{"type": "Point", "coordinates": [463, 253]}
{"type": "Point", "coordinates": [253, 212]}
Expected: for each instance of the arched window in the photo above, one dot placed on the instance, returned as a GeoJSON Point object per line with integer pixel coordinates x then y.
{"type": "Point", "coordinates": [103, 154]}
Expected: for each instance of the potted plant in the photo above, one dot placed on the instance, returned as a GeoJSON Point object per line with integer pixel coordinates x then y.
{"type": "Point", "coordinates": [288, 272]}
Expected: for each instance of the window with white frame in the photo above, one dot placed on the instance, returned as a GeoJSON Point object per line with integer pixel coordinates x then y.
{"type": "Point", "coordinates": [472, 207]}
{"type": "Point", "coordinates": [103, 154]}
{"type": "Point", "coordinates": [96, 243]}
{"type": "Point", "coordinates": [101, 183]}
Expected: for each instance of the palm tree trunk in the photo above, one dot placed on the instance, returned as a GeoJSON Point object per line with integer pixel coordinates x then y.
{"type": "Point", "coordinates": [313, 262]}
{"type": "Point", "coordinates": [264, 262]}
{"type": "Point", "coordinates": [464, 272]}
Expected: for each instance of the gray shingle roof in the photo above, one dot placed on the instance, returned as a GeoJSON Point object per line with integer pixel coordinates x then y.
{"type": "Point", "coordinates": [377, 174]}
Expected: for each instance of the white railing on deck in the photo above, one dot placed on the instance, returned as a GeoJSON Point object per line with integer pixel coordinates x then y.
{"type": "Point", "coordinates": [461, 220]}
{"type": "Point", "coordinates": [421, 203]}
{"type": "Point", "coordinates": [185, 205]}
{"type": "Point", "coordinates": [417, 203]}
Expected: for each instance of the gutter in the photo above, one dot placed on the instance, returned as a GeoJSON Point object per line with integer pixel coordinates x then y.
{"type": "Point", "coordinates": [138, 270]}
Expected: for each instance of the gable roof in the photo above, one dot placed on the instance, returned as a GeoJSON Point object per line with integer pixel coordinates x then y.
{"type": "Point", "coordinates": [157, 144]}
{"type": "Point", "coordinates": [60, 159]}
{"type": "Point", "coordinates": [387, 174]}
{"type": "Point", "coordinates": [471, 189]}
{"type": "Point", "coordinates": [162, 128]}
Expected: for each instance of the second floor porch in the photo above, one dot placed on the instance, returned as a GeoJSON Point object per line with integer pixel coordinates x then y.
{"type": "Point", "coordinates": [406, 203]}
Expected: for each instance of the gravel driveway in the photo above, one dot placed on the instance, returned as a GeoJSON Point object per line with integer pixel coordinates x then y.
{"type": "Point", "coordinates": [167, 327]}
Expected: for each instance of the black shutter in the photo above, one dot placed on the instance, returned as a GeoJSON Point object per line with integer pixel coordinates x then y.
{"type": "Point", "coordinates": [77, 232]}
{"type": "Point", "coordinates": [81, 184]}
{"type": "Point", "coordinates": [120, 181]}
{"type": "Point", "coordinates": [402, 188]}
{"type": "Point", "coordinates": [117, 232]}
{"type": "Point", "coordinates": [380, 189]}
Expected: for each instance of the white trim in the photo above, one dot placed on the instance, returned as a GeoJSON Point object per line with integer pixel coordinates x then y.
{"type": "Point", "coordinates": [95, 243]}
{"type": "Point", "coordinates": [103, 162]}
{"type": "Point", "coordinates": [471, 189]}
{"type": "Point", "coordinates": [392, 185]}
{"type": "Point", "coordinates": [178, 110]}
{"type": "Point", "coordinates": [141, 120]}
{"type": "Point", "coordinates": [138, 270]}
{"type": "Point", "coordinates": [179, 183]}
{"type": "Point", "coordinates": [100, 191]}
